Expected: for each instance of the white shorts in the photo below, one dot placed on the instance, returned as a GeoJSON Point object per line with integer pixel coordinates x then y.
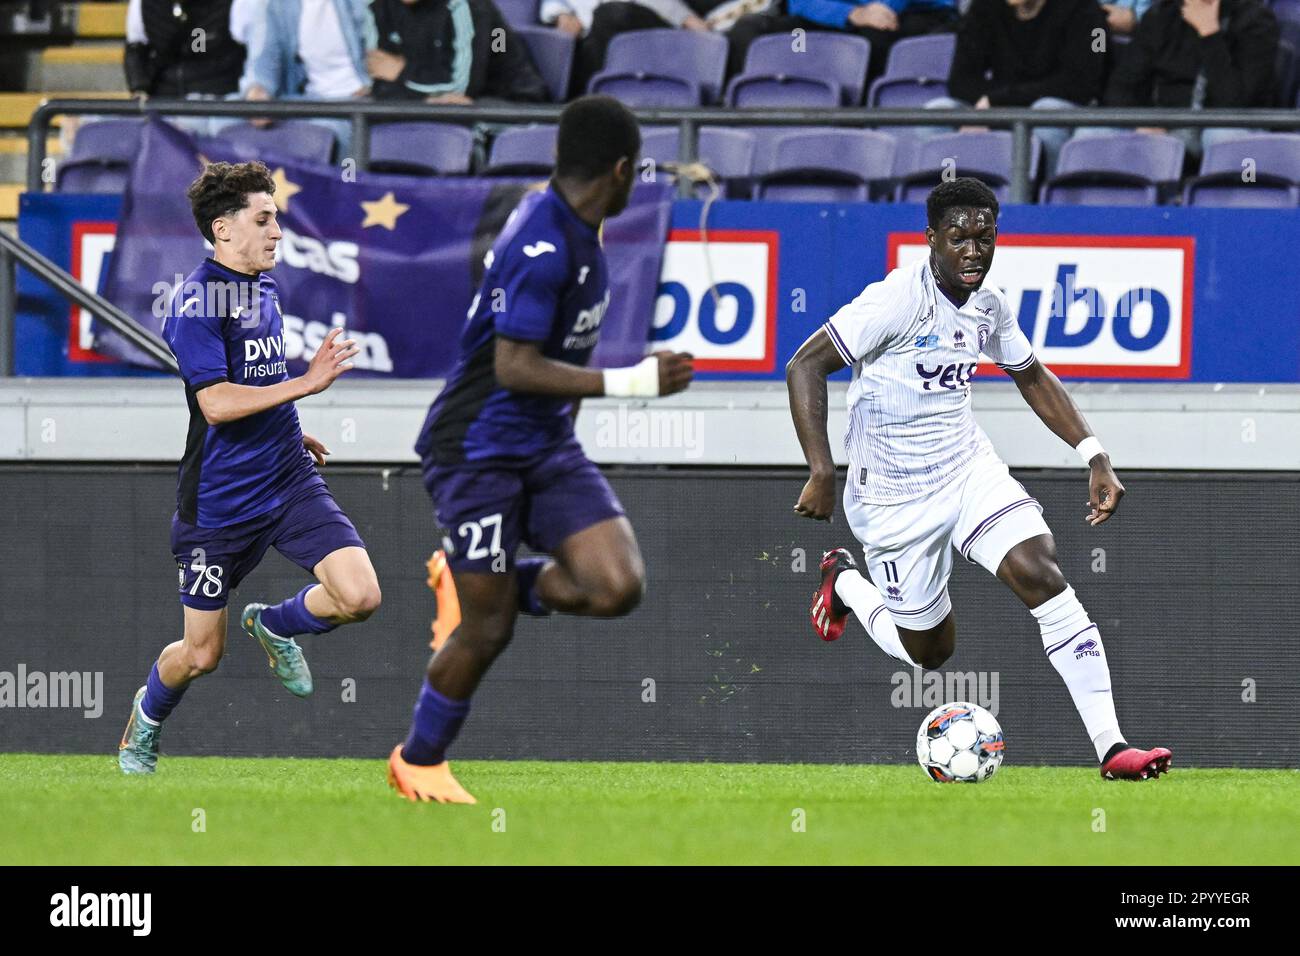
{"type": "Point", "coordinates": [983, 513]}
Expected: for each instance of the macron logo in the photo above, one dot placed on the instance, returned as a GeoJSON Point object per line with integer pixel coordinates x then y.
{"type": "Point", "coordinates": [538, 249]}
{"type": "Point", "coordinates": [74, 909]}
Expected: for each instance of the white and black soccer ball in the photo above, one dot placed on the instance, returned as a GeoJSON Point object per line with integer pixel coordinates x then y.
{"type": "Point", "coordinates": [960, 743]}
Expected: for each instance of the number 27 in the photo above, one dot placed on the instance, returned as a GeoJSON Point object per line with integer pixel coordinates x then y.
{"type": "Point", "coordinates": [475, 530]}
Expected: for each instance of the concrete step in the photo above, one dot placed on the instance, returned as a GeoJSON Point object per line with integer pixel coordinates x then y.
{"type": "Point", "coordinates": [13, 157]}
{"type": "Point", "coordinates": [101, 20]}
{"type": "Point", "coordinates": [92, 66]}
{"type": "Point", "coordinates": [9, 193]}
{"type": "Point", "coordinates": [17, 108]}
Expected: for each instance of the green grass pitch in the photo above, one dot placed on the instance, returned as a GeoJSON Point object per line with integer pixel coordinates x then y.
{"type": "Point", "coordinates": [82, 810]}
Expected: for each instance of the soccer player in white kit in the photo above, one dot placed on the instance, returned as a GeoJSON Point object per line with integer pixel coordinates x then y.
{"type": "Point", "coordinates": [923, 475]}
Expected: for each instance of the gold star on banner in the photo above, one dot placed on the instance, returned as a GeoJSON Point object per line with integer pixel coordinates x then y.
{"type": "Point", "coordinates": [383, 212]}
{"type": "Point", "coordinates": [284, 190]}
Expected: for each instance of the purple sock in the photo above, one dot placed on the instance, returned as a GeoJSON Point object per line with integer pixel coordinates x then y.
{"type": "Point", "coordinates": [526, 571]}
{"type": "Point", "coordinates": [434, 726]}
{"type": "Point", "coordinates": [159, 699]}
{"type": "Point", "coordinates": [291, 617]}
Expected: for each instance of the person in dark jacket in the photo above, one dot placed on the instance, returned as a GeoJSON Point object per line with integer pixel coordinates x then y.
{"type": "Point", "coordinates": [163, 57]}
{"type": "Point", "coordinates": [1045, 54]}
{"type": "Point", "coordinates": [1202, 54]}
{"type": "Point", "coordinates": [450, 51]}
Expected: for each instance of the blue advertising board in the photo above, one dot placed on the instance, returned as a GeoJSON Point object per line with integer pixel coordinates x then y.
{"type": "Point", "coordinates": [1159, 294]}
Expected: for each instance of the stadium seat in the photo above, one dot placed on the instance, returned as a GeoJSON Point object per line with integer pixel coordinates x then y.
{"type": "Point", "coordinates": [523, 151]}
{"type": "Point", "coordinates": [1125, 169]}
{"type": "Point", "coordinates": [663, 68]}
{"type": "Point", "coordinates": [518, 13]}
{"type": "Point", "coordinates": [915, 73]}
{"type": "Point", "coordinates": [986, 156]}
{"type": "Point", "coordinates": [293, 138]}
{"type": "Point", "coordinates": [830, 70]}
{"type": "Point", "coordinates": [552, 53]}
{"type": "Point", "coordinates": [421, 149]}
{"type": "Point", "coordinates": [836, 165]}
{"type": "Point", "coordinates": [1273, 160]}
{"type": "Point", "coordinates": [101, 157]}
{"type": "Point", "coordinates": [729, 153]}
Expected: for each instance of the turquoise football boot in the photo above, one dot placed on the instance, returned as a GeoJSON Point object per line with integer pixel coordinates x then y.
{"type": "Point", "coordinates": [283, 653]}
{"type": "Point", "coordinates": [138, 751]}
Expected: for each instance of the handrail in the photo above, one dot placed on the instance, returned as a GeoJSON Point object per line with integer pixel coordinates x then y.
{"type": "Point", "coordinates": [1020, 120]}
{"type": "Point", "coordinates": [11, 250]}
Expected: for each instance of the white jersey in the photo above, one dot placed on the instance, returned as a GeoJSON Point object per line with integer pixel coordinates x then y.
{"type": "Point", "coordinates": [913, 352]}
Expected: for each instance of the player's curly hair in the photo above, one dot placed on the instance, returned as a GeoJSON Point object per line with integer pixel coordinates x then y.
{"type": "Point", "coordinates": [595, 133]}
{"type": "Point", "coordinates": [962, 191]}
{"type": "Point", "coordinates": [222, 190]}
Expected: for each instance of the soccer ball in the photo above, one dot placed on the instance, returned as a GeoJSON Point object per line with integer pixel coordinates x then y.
{"type": "Point", "coordinates": [959, 743]}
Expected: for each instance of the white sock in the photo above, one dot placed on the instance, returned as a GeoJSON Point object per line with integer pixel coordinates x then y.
{"type": "Point", "coordinates": [1073, 645]}
{"type": "Point", "coordinates": [861, 595]}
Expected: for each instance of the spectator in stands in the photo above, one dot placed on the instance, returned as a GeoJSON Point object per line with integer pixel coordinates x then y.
{"type": "Point", "coordinates": [315, 50]}
{"type": "Point", "coordinates": [1039, 53]}
{"type": "Point", "coordinates": [882, 23]}
{"type": "Point", "coordinates": [594, 23]}
{"type": "Point", "coordinates": [183, 49]}
{"type": "Point", "coordinates": [1198, 54]}
{"type": "Point", "coordinates": [450, 51]}
{"type": "Point", "coordinates": [1122, 16]}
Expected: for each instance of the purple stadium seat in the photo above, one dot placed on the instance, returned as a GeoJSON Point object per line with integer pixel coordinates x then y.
{"type": "Point", "coordinates": [110, 140]}
{"type": "Point", "coordinates": [1126, 169]}
{"type": "Point", "coordinates": [293, 138]}
{"type": "Point", "coordinates": [831, 66]}
{"type": "Point", "coordinates": [663, 68]}
{"type": "Point", "coordinates": [552, 53]}
{"type": "Point", "coordinates": [518, 13]}
{"type": "Point", "coordinates": [1274, 161]}
{"type": "Point", "coordinates": [915, 72]}
{"type": "Point", "coordinates": [421, 149]}
{"type": "Point", "coordinates": [836, 165]}
{"type": "Point", "coordinates": [101, 157]}
{"type": "Point", "coordinates": [986, 156]}
{"type": "Point", "coordinates": [523, 151]}
{"type": "Point", "coordinates": [728, 152]}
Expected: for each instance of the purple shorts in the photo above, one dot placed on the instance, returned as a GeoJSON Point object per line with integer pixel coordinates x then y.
{"type": "Point", "coordinates": [487, 512]}
{"type": "Point", "coordinates": [212, 561]}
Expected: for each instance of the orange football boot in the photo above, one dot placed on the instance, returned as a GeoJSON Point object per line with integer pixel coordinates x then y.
{"type": "Point", "coordinates": [444, 594]}
{"type": "Point", "coordinates": [426, 783]}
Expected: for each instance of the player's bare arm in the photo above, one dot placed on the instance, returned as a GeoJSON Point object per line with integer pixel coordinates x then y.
{"type": "Point", "coordinates": [1045, 394]}
{"type": "Point", "coordinates": [805, 376]}
{"type": "Point", "coordinates": [228, 402]}
{"type": "Point", "coordinates": [521, 367]}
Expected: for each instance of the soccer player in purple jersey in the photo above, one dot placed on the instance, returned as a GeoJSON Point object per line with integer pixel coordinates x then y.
{"type": "Point", "coordinates": [248, 479]}
{"type": "Point", "coordinates": [500, 458]}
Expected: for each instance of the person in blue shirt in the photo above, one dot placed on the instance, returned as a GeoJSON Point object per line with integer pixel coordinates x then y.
{"type": "Point", "coordinates": [882, 22]}
{"type": "Point", "coordinates": [248, 479]}
{"type": "Point", "coordinates": [498, 451]}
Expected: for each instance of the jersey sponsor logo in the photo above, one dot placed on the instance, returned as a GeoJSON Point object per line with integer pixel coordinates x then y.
{"type": "Point", "coordinates": [927, 341]}
{"type": "Point", "coordinates": [951, 377]}
{"type": "Point", "coordinates": [1086, 648]}
{"type": "Point", "coordinates": [539, 248]}
{"type": "Point", "coordinates": [338, 259]}
{"type": "Point", "coordinates": [717, 299]}
{"type": "Point", "coordinates": [1090, 305]}
{"type": "Point", "coordinates": [586, 327]}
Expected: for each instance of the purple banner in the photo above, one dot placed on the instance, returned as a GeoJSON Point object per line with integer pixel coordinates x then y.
{"type": "Point", "coordinates": [394, 259]}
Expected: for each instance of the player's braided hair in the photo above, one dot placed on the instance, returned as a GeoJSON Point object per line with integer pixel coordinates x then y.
{"type": "Point", "coordinates": [963, 191]}
{"type": "Point", "coordinates": [222, 190]}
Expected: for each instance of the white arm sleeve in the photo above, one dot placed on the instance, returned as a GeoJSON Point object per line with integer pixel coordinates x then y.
{"type": "Point", "coordinates": [1007, 346]}
{"type": "Point", "coordinates": [866, 326]}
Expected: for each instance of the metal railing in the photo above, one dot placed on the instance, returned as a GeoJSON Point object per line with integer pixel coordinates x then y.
{"type": "Point", "coordinates": [362, 114]}
{"type": "Point", "coordinates": [14, 252]}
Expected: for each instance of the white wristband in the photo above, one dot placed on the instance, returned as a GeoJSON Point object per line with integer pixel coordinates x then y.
{"type": "Point", "coordinates": [635, 381]}
{"type": "Point", "coordinates": [1089, 448]}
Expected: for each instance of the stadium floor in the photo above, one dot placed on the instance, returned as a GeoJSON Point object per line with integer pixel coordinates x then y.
{"type": "Point", "coordinates": [81, 810]}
